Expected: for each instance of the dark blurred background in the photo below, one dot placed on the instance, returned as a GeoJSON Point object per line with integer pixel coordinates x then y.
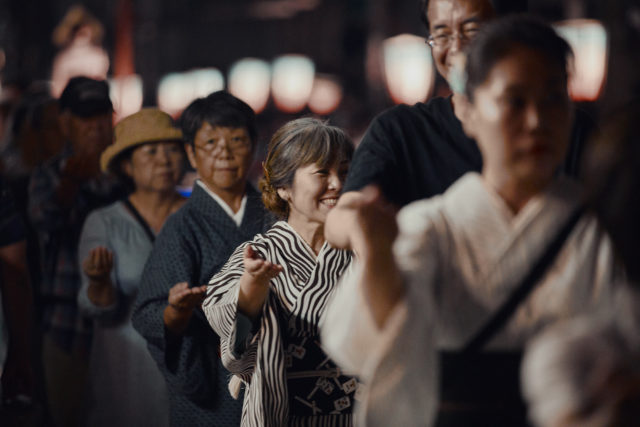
{"type": "Point", "coordinates": [343, 38]}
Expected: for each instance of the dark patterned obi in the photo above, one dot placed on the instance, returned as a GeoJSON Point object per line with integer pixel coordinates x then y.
{"type": "Point", "coordinates": [315, 384]}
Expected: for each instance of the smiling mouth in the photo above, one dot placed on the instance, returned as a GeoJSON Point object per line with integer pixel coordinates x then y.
{"type": "Point", "coordinates": [329, 202]}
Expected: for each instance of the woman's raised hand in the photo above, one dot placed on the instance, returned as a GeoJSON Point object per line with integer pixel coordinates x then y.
{"type": "Point", "coordinates": [254, 283]}
{"type": "Point", "coordinates": [260, 269]}
{"type": "Point", "coordinates": [182, 300]}
{"type": "Point", "coordinates": [98, 264]}
{"type": "Point", "coordinates": [185, 299]}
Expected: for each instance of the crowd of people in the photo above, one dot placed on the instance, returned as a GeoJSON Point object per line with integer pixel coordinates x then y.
{"type": "Point", "coordinates": [455, 269]}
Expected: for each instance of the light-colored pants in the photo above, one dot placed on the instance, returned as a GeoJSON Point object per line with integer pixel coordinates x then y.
{"type": "Point", "coordinates": [65, 382]}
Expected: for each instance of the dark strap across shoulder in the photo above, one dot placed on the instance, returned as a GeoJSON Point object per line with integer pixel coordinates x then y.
{"type": "Point", "coordinates": [145, 226]}
{"type": "Point", "coordinates": [497, 321]}
{"type": "Point", "coordinates": [482, 388]}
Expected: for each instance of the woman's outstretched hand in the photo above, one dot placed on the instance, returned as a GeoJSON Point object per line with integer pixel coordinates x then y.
{"type": "Point", "coordinates": [254, 283]}
{"type": "Point", "coordinates": [97, 266]}
{"type": "Point", "coordinates": [185, 299]}
{"type": "Point", "coordinates": [182, 301]}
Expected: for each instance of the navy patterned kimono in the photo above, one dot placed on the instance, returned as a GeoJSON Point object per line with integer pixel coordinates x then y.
{"type": "Point", "coordinates": [192, 246]}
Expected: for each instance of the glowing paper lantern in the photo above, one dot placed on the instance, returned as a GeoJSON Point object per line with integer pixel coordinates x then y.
{"type": "Point", "coordinates": [325, 95]}
{"type": "Point", "coordinates": [126, 95]}
{"type": "Point", "coordinates": [250, 80]}
{"type": "Point", "coordinates": [588, 39]}
{"type": "Point", "coordinates": [291, 82]}
{"type": "Point", "coordinates": [177, 90]}
{"type": "Point", "coordinates": [204, 81]}
{"type": "Point", "coordinates": [408, 68]}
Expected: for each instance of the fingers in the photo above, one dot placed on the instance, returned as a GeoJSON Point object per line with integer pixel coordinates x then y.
{"type": "Point", "coordinates": [266, 270]}
{"type": "Point", "coordinates": [184, 298]}
{"type": "Point", "coordinates": [99, 262]}
{"type": "Point", "coordinates": [178, 287]}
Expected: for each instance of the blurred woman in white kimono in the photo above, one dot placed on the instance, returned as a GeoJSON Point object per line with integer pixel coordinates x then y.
{"type": "Point", "coordinates": [428, 279]}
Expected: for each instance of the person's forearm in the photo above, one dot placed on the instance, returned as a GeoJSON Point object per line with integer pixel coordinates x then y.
{"type": "Point", "coordinates": [381, 282]}
{"type": "Point", "coordinates": [251, 296]}
{"type": "Point", "coordinates": [101, 292]}
{"type": "Point", "coordinates": [340, 222]}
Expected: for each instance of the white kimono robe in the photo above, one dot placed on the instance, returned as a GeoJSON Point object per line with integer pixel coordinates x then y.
{"type": "Point", "coordinates": [461, 254]}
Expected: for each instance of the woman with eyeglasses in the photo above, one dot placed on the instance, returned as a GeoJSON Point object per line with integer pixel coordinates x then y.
{"type": "Point", "coordinates": [429, 279]}
{"type": "Point", "coordinates": [223, 211]}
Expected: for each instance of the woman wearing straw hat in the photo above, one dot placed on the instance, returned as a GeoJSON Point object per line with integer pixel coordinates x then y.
{"type": "Point", "coordinates": [125, 385]}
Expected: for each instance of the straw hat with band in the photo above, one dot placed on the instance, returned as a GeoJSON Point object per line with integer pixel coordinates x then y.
{"type": "Point", "coordinates": [145, 126]}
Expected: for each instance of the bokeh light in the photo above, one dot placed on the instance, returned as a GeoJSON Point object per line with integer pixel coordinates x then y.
{"type": "Point", "coordinates": [588, 39]}
{"type": "Point", "coordinates": [126, 95]}
{"type": "Point", "coordinates": [250, 80]}
{"type": "Point", "coordinates": [408, 68]}
{"type": "Point", "coordinates": [291, 82]}
{"type": "Point", "coordinates": [325, 95]}
{"type": "Point", "coordinates": [177, 90]}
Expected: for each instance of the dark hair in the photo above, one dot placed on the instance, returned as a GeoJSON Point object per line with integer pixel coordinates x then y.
{"type": "Point", "coordinates": [218, 109]}
{"type": "Point", "coordinates": [424, 7]}
{"type": "Point", "coordinates": [502, 36]}
{"type": "Point", "coordinates": [85, 97]}
{"type": "Point", "coordinates": [296, 144]}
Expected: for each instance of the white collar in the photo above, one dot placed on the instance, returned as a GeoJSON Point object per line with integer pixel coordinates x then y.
{"type": "Point", "coordinates": [235, 216]}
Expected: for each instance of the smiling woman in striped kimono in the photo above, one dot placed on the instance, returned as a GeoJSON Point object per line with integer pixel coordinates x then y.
{"type": "Point", "coordinates": [267, 300]}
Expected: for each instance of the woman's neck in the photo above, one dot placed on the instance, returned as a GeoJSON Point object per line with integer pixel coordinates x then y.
{"type": "Point", "coordinates": [515, 194]}
{"type": "Point", "coordinates": [312, 233]}
{"type": "Point", "coordinates": [233, 198]}
{"type": "Point", "coordinates": [155, 206]}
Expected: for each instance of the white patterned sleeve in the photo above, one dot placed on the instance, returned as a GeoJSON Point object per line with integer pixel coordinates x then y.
{"type": "Point", "coordinates": [221, 309]}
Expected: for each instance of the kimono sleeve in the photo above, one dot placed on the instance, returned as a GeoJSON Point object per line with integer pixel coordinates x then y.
{"type": "Point", "coordinates": [402, 370]}
{"type": "Point", "coordinates": [94, 234]}
{"type": "Point", "coordinates": [238, 346]}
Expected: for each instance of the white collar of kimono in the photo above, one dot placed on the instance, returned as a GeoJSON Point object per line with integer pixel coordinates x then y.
{"type": "Point", "coordinates": [486, 222]}
{"type": "Point", "coordinates": [235, 216]}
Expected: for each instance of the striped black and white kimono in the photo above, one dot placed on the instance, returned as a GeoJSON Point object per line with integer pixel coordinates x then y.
{"type": "Point", "coordinates": [278, 350]}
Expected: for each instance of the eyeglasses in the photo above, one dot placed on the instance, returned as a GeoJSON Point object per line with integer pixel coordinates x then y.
{"type": "Point", "coordinates": [443, 40]}
{"type": "Point", "coordinates": [234, 144]}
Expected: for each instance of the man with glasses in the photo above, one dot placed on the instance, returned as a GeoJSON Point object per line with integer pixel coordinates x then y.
{"type": "Point", "coordinates": [223, 211]}
{"type": "Point", "coordinates": [416, 152]}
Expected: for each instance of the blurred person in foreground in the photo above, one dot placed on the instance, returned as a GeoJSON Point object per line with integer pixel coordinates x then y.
{"type": "Point", "coordinates": [426, 281]}
{"type": "Point", "coordinates": [223, 211]}
{"type": "Point", "coordinates": [125, 386]}
{"type": "Point", "coordinates": [586, 372]}
{"type": "Point", "coordinates": [266, 301]}
{"type": "Point", "coordinates": [62, 192]}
